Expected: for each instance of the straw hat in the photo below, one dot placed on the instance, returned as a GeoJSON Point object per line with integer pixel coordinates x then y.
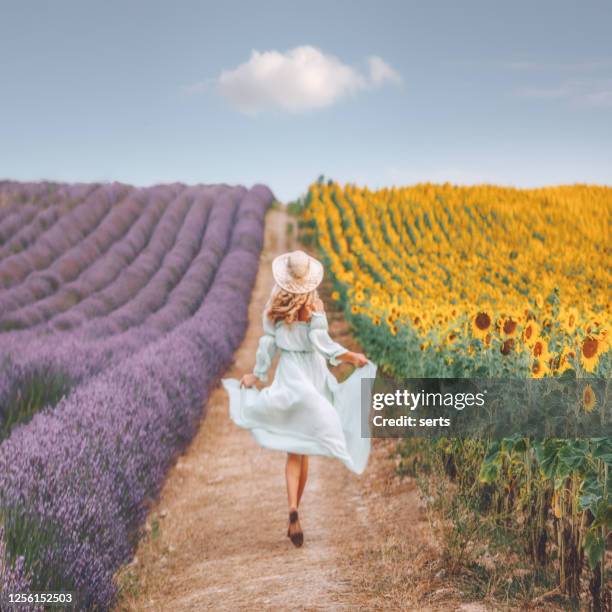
{"type": "Point", "coordinates": [297, 272]}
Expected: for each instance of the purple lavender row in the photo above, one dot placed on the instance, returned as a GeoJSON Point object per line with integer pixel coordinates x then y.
{"type": "Point", "coordinates": [133, 277]}
{"type": "Point", "coordinates": [74, 262]}
{"type": "Point", "coordinates": [70, 230]}
{"type": "Point", "coordinates": [161, 305]}
{"type": "Point", "coordinates": [15, 221]}
{"type": "Point", "coordinates": [85, 471]}
{"type": "Point", "coordinates": [149, 313]}
{"type": "Point", "coordinates": [188, 295]}
{"type": "Point", "coordinates": [13, 195]}
{"type": "Point", "coordinates": [7, 209]}
{"type": "Point", "coordinates": [43, 282]}
{"type": "Point", "coordinates": [155, 294]}
{"type": "Point", "coordinates": [58, 202]}
{"type": "Point", "coordinates": [143, 289]}
{"type": "Point", "coordinates": [101, 273]}
{"type": "Point", "coordinates": [30, 351]}
{"type": "Point", "coordinates": [29, 202]}
{"type": "Point", "coordinates": [18, 192]}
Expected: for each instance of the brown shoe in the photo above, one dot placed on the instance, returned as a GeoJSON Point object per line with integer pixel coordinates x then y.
{"type": "Point", "coordinates": [294, 531]}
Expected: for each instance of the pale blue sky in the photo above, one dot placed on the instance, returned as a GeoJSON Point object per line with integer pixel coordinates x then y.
{"type": "Point", "coordinates": [509, 92]}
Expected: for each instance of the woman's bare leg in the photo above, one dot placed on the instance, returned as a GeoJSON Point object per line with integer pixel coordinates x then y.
{"type": "Point", "coordinates": [303, 477]}
{"type": "Point", "coordinates": [292, 473]}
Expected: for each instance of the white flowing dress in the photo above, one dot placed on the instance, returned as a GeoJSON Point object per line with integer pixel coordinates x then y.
{"type": "Point", "coordinates": [305, 410]}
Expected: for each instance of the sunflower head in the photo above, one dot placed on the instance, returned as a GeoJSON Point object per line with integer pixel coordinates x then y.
{"type": "Point", "coordinates": [589, 399]}
{"type": "Point", "coordinates": [507, 346]}
{"type": "Point", "coordinates": [481, 324]}
{"type": "Point", "coordinates": [509, 327]}
{"type": "Point", "coordinates": [569, 321]}
{"type": "Point", "coordinates": [539, 350]}
{"type": "Point", "coordinates": [531, 333]}
{"type": "Point", "coordinates": [589, 353]}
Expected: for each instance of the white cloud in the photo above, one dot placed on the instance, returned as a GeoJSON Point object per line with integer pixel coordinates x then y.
{"type": "Point", "coordinates": [301, 79]}
{"type": "Point", "coordinates": [380, 71]}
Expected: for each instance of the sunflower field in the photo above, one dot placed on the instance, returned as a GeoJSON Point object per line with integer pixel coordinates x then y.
{"type": "Point", "coordinates": [486, 281]}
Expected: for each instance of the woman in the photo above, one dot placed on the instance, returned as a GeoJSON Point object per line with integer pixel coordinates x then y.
{"type": "Point", "coordinates": [305, 411]}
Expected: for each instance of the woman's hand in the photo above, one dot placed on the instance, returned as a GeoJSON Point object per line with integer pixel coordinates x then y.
{"type": "Point", "coordinates": [359, 360]}
{"type": "Point", "coordinates": [356, 359]}
{"type": "Point", "coordinates": [248, 380]}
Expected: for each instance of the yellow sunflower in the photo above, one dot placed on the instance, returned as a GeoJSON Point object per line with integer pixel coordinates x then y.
{"type": "Point", "coordinates": [589, 399]}
{"type": "Point", "coordinates": [509, 327]}
{"type": "Point", "coordinates": [589, 353]}
{"type": "Point", "coordinates": [569, 320]}
{"type": "Point", "coordinates": [540, 351]}
{"type": "Point", "coordinates": [531, 333]}
{"type": "Point", "coordinates": [335, 296]}
{"type": "Point", "coordinates": [481, 325]}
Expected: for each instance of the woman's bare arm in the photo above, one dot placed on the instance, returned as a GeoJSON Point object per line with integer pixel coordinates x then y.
{"type": "Point", "coordinates": [356, 359]}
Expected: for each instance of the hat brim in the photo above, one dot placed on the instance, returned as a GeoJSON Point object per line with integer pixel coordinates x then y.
{"type": "Point", "coordinates": [284, 280]}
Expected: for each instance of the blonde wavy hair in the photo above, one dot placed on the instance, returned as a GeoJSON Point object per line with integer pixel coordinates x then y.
{"type": "Point", "coordinates": [285, 306]}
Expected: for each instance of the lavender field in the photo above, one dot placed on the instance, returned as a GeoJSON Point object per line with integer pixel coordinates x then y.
{"type": "Point", "coordinates": [119, 309]}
